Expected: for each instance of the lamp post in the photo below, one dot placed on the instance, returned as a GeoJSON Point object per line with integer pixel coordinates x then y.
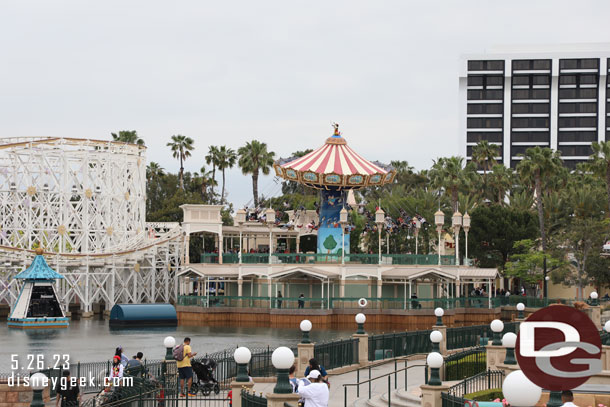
{"type": "Point", "coordinates": [435, 361]}
{"type": "Point", "coordinates": [546, 278]}
{"type": "Point", "coordinates": [360, 320]}
{"type": "Point", "coordinates": [436, 337]}
{"type": "Point", "coordinates": [519, 391]}
{"type": "Point", "coordinates": [456, 223]}
{"type": "Point", "coordinates": [38, 382]}
{"type": "Point", "coordinates": [343, 222]}
{"type": "Point", "coordinates": [594, 296]}
{"type": "Point", "coordinates": [379, 220]}
{"type": "Point", "coordinates": [509, 340]}
{"type": "Point", "coordinates": [466, 226]}
{"type": "Point", "coordinates": [416, 233]}
{"type": "Point", "coordinates": [607, 329]}
{"type": "Point", "coordinates": [520, 309]}
{"type": "Point", "coordinates": [497, 327]}
{"type": "Point", "coordinates": [305, 328]}
{"type": "Point", "coordinates": [439, 220]}
{"type": "Point", "coordinates": [240, 218]}
{"type": "Point", "coordinates": [439, 312]}
{"type": "Point", "coordinates": [242, 356]}
{"type": "Point", "coordinates": [270, 219]}
{"type": "Point", "coordinates": [169, 342]}
{"type": "Point", "coordinates": [282, 359]}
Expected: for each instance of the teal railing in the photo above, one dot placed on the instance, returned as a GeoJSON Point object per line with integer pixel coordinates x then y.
{"type": "Point", "coordinates": [336, 354]}
{"type": "Point", "coordinates": [391, 345]}
{"type": "Point", "coordinates": [465, 364]}
{"type": "Point", "coordinates": [313, 258]}
{"type": "Point", "coordinates": [469, 336]}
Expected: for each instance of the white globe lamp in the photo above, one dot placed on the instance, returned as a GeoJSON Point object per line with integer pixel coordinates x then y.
{"type": "Point", "coordinates": [520, 309]}
{"type": "Point", "coordinates": [169, 342]}
{"type": "Point", "coordinates": [435, 360]}
{"type": "Point", "coordinates": [594, 297]}
{"type": "Point", "coordinates": [282, 359]}
{"type": "Point", "coordinates": [497, 327]}
{"type": "Point", "coordinates": [509, 340]}
{"type": "Point", "coordinates": [305, 328]}
{"type": "Point", "coordinates": [436, 337]}
{"type": "Point", "coordinates": [519, 391]}
{"type": "Point", "coordinates": [38, 382]}
{"type": "Point", "coordinates": [242, 356]}
{"type": "Point", "coordinates": [360, 320]}
{"type": "Point", "coordinates": [439, 312]}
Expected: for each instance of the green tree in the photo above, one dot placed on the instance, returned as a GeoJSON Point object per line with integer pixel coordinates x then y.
{"type": "Point", "coordinates": [127, 136]}
{"type": "Point", "coordinates": [600, 160]}
{"type": "Point", "coordinates": [212, 159]}
{"type": "Point", "coordinates": [451, 174]}
{"type": "Point", "coordinates": [254, 159]}
{"type": "Point", "coordinates": [484, 155]}
{"type": "Point", "coordinates": [494, 231]}
{"type": "Point", "coordinates": [500, 180]}
{"type": "Point", "coordinates": [154, 170]}
{"type": "Point", "coordinates": [538, 164]}
{"type": "Point", "coordinates": [226, 159]}
{"type": "Point", "coordinates": [330, 243]}
{"type": "Point", "coordinates": [528, 262]}
{"type": "Point", "coordinates": [181, 147]}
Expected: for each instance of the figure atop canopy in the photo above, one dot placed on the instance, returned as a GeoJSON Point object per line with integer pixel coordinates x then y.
{"type": "Point", "coordinates": [333, 168]}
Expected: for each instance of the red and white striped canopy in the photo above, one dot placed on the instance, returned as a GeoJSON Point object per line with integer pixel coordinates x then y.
{"type": "Point", "coordinates": [334, 164]}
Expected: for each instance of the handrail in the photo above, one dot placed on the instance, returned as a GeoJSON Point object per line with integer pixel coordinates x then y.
{"type": "Point", "coordinates": [370, 380]}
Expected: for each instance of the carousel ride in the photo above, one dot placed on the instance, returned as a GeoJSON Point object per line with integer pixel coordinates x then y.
{"type": "Point", "coordinates": [334, 169]}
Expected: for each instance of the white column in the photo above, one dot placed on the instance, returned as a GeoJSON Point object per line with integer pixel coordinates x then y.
{"type": "Point", "coordinates": [601, 105]}
{"type": "Point", "coordinates": [554, 102]}
{"type": "Point", "coordinates": [507, 112]}
{"type": "Point", "coordinates": [489, 292]}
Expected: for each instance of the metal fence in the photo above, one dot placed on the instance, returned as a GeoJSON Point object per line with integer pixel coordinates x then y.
{"type": "Point", "coordinates": [489, 379]}
{"type": "Point", "coordinates": [465, 364]}
{"type": "Point", "coordinates": [336, 354]}
{"type": "Point", "coordinates": [391, 345]}
{"type": "Point", "coordinates": [250, 399]}
{"type": "Point", "coordinates": [470, 336]}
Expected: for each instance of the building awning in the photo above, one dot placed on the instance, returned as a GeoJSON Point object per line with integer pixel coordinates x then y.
{"type": "Point", "coordinates": [39, 270]}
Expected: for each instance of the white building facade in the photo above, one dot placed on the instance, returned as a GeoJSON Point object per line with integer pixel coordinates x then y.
{"type": "Point", "coordinates": [553, 97]}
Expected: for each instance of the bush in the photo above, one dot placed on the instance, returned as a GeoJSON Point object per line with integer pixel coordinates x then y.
{"type": "Point", "coordinates": [463, 368]}
{"type": "Point", "coordinates": [485, 395]}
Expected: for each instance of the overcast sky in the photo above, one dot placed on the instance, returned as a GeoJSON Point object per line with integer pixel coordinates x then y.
{"type": "Point", "coordinates": [226, 72]}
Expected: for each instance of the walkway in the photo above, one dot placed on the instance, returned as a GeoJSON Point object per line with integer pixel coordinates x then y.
{"type": "Point", "coordinates": [415, 378]}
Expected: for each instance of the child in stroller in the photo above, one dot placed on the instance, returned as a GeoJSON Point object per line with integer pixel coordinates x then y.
{"type": "Point", "coordinates": [205, 382]}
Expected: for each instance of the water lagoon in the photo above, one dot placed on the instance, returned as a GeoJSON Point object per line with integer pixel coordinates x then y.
{"type": "Point", "coordinates": [94, 340]}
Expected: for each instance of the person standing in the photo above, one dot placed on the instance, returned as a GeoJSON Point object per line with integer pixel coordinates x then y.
{"type": "Point", "coordinates": [302, 300]}
{"type": "Point", "coordinates": [67, 394]}
{"type": "Point", "coordinates": [317, 393]}
{"type": "Point", "coordinates": [314, 365]}
{"type": "Point", "coordinates": [567, 397]}
{"type": "Point", "coordinates": [134, 366]}
{"type": "Point", "coordinates": [119, 352]}
{"type": "Point", "coordinates": [279, 299]}
{"type": "Point", "coordinates": [185, 370]}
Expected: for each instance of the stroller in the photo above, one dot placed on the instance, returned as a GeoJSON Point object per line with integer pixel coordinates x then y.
{"type": "Point", "coordinates": [205, 383]}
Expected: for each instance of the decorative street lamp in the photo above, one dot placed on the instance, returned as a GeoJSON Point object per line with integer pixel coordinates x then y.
{"type": "Point", "coordinates": [466, 226]}
{"type": "Point", "coordinates": [360, 320]}
{"type": "Point", "coordinates": [240, 218]}
{"type": "Point", "coordinates": [509, 340]}
{"type": "Point", "coordinates": [169, 342]}
{"type": "Point", "coordinates": [305, 328]}
{"type": "Point", "coordinates": [38, 382]}
{"type": "Point", "coordinates": [416, 233]}
{"type": "Point", "coordinates": [270, 219]}
{"type": "Point", "coordinates": [497, 327]}
{"type": "Point", "coordinates": [282, 359]}
{"type": "Point", "coordinates": [439, 220]}
{"type": "Point", "coordinates": [456, 223]}
{"type": "Point", "coordinates": [520, 309]}
{"type": "Point", "coordinates": [343, 222]}
{"type": "Point", "coordinates": [607, 329]}
{"type": "Point", "coordinates": [242, 356]}
{"type": "Point", "coordinates": [594, 296]}
{"type": "Point", "coordinates": [435, 361]}
{"type": "Point", "coordinates": [379, 220]}
{"type": "Point", "coordinates": [439, 312]}
{"type": "Point", "coordinates": [519, 391]}
{"type": "Point", "coordinates": [436, 337]}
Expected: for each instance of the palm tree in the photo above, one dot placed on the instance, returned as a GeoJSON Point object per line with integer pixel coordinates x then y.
{"type": "Point", "coordinates": [484, 155]}
{"type": "Point", "coordinates": [451, 174]}
{"type": "Point", "coordinates": [181, 148]}
{"type": "Point", "coordinates": [538, 164]}
{"type": "Point", "coordinates": [601, 164]}
{"type": "Point", "coordinates": [154, 171]}
{"type": "Point", "coordinates": [212, 158]}
{"type": "Point", "coordinates": [225, 160]}
{"type": "Point", "coordinates": [127, 136]}
{"type": "Point", "coordinates": [501, 180]}
{"type": "Point", "coordinates": [254, 158]}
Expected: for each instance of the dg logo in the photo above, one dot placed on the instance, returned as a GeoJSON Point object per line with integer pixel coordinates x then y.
{"type": "Point", "coordinates": [559, 348]}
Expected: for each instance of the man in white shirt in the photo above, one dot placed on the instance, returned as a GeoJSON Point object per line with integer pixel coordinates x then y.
{"type": "Point", "coordinates": [568, 399]}
{"type": "Point", "coordinates": [316, 394]}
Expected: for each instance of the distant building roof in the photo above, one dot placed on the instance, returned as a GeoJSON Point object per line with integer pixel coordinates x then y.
{"type": "Point", "coordinates": [39, 270]}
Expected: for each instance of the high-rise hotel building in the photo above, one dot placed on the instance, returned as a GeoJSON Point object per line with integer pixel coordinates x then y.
{"type": "Point", "coordinates": [555, 98]}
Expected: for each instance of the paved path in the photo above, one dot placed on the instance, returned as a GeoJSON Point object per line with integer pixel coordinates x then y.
{"type": "Point", "coordinates": [415, 378]}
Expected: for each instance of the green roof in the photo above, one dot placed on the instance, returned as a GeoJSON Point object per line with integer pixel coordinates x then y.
{"type": "Point", "coordinates": [39, 270]}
